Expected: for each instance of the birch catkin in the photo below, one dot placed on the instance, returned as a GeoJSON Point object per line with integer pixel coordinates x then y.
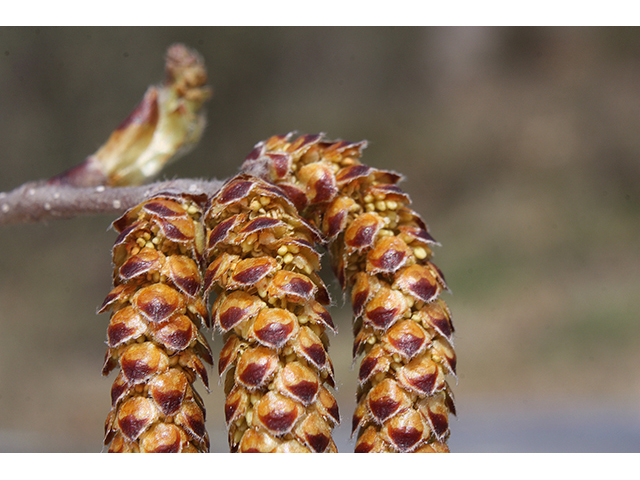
{"type": "Point", "coordinates": [262, 264]}
{"type": "Point", "coordinates": [153, 335]}
{"type": "Point", "coordinates": [381, 252]}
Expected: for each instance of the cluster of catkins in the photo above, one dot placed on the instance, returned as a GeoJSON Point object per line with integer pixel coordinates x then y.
{"type": "Point", "coordinates": [254, 244]}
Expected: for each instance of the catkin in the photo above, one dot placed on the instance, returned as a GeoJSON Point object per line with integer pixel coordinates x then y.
{"type": "Point", "coordinates": [381, 253]}
{"type": "Point", "coordinates": [153, 336]}
{"type": "Point", "coordinates": [262, 264]}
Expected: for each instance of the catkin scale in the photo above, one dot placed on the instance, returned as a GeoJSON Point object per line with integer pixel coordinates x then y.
{"type": "Point", "coordinates": [381, 253]}
{"type": "Point", "coordinates": [153, 336]}
{"type": "Point", "coordinates": [262, 266]}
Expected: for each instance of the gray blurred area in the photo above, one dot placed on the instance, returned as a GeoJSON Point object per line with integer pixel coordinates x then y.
{"type": "Point", "coordinates": [521, 150]}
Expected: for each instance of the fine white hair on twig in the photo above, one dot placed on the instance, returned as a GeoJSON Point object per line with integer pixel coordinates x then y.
{"type": "Point", "coordinates": [40, 201]}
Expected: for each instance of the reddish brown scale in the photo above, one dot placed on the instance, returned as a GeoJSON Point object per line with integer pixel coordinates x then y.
{"type": "Point", "coordinates": [381, 253]}
{"type": "Point", "coordinates": [406, 338]}
{"type": "Point", "coordinates": [274, 327]}
{"type": "Point", "coordinates": [250, 271]}
{"type": "Point", "coordinates": [153, 335]}
{"type": "Point", "coordinates": [262, 265]}
{"type": "Point", "coordinates": [235, 308]}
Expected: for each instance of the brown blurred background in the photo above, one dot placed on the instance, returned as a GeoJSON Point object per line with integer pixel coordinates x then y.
{"type": "Point", "coordinates": [521, 149]}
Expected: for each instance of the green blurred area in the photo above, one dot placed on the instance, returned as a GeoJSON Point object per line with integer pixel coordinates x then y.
{"type": "Point", "coordinates": [520, 149]}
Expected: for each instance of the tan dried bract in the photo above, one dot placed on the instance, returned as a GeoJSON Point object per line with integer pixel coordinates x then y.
{"type": "Point", "coordinates": [166, 124]}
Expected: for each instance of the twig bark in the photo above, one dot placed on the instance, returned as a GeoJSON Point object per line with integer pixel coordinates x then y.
{"type": "Point", "coordinates": [40, 201]}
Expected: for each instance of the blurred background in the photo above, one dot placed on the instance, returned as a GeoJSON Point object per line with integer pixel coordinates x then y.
{"type": "Point", "coordinates": [521, 151]}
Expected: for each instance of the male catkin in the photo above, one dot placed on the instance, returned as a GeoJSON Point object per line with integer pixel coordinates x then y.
{"type": "Point", "coordinates": [153, 335]}
{"type": "Point", "coordinates": [381, 253]}
{"type": "Point", "coordinates": [263, 265]}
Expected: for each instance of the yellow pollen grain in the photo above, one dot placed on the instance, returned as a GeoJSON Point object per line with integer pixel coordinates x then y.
{"type": "Point", "coordinates": [192, 210]}
{"type": "Point", "coordinates": [381, 206]}
{"type": "Point", "coordinates": [264, 201]}
{"type": "Point", "coordinates": [288, 258]}
{"type": "Point", "coordinates": [140, 241]}
{"type": "Point", "coordinates": [368, 198]}
{"type": "Point", "coordinates": [370, 207]}
{"type": "Point", "coordinates": [420, 253]}
{"type": "Point", "coordinates": [282, 250]}
{"type": "Point", "coordinates": [392, 204]}
{"type": "Point", "coordinates": [249, 416]}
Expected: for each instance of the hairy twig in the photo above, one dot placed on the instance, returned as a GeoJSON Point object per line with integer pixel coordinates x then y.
{"type": "Point", "coordinates": [40, 201]}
